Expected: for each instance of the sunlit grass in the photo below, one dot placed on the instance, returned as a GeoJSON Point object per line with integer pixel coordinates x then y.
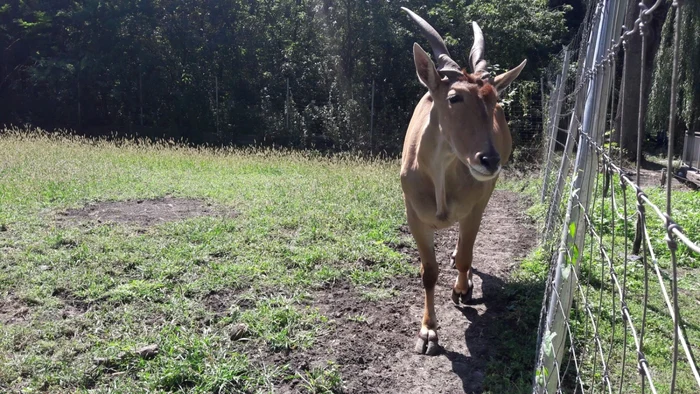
{"type": "Point", "coordinates": [301, 220]}
{"type": "Point", "coordinates": [658, 327]}
{"type": "Point", "coordinates": [88, 296]}
{"type": "Point", "coordinates": [605, 301]}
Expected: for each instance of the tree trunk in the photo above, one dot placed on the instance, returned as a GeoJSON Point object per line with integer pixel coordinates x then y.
{"type": "Point", "coordinates": [627, 124]}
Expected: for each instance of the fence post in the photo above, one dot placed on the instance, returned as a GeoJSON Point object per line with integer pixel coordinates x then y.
{"type": "Point", "coordinates": [544, 106]}
{"type": "Point", "coordinates": [640, 121]}
{"type": "Point", "coordinates": [690, 137]}
{"type": "Point", "coordinates": [553, 136]}
{"type": "Point", "coordinates": [140, 96]}
{"type": "Point", "coordinates": [216, 93]}
{"type": "Point", "coordinates": [563, 284]}
{"type": "Point", "coordinates": [686, 157]}
{"type": "Point", "coordinates": [669, 178]}
{"type": "Point", "coordinates": [554, 201]}
{"type": "Point", "coordinates": [80, 110]}
{"type": "Point", "coordinates": [286, 107]}
{"type": "Point", "coordinates": [371, 123]}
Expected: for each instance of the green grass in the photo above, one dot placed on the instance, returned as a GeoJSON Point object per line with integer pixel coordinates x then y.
{"type": "Point", "coordinates": [302, 222]}
{"type": "Point", "coordinates": [91, 295]}
{"type": "Point", "coordinates": [512, 369]}
{"type": "Point", "coordinates": [659, 326]}
{"type": "Point", "coordinates": [321, 380]}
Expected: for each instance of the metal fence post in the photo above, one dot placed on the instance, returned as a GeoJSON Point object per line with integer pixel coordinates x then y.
{"type": "Point", "coordinates": [563, 283]}
{"type": "Point", "coordinates": [557, 336]}
{"type": "Point", "coordinates": [574, 124]}
{"type": "Point", "coordinates": [554, 110]}
{"type": "Point", "coordinates": [555, 200]}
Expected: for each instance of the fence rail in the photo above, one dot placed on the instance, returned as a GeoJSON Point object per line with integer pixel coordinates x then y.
{"type": "Point", "coordinates": [594, 320]}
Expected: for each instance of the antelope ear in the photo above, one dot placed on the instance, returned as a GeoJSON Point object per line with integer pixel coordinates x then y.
{"type": "Point", "coordinates": [425, 68]}
{"type": "Point", "coordinates": [503, 80]}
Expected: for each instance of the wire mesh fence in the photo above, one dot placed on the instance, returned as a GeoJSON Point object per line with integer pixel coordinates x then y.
{"type": "Point", "coordinates": [612, 314]}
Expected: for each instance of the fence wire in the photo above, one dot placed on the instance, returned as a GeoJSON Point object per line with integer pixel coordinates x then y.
{"type": "Point", "coordinates": [611, 305]}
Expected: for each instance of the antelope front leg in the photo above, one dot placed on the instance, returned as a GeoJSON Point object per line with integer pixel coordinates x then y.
{"type": "Point", "coordinates": [427, 342]}
{"type": "Point", "coordinates": [464, 286]}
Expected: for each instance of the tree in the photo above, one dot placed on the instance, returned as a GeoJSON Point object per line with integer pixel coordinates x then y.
{"type": "Point", "coordinates": [217, 71]}
{"type": "Point", "coordinates": [689, 81]}
{"type": "Point", "coordinates": [629, 105]}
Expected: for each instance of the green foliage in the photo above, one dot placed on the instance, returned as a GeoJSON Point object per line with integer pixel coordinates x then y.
{"type": "Point", "coordinates": [152, 67]}
{"type": "Point", "coordinates": [689, 80]}
{"type": "Point", "coordinates": [322, 380]}
{"type": "Point", "coordinates": [515, 30]}
{"type": "Point", "coordinates": [604, 301]}
{"type": "Point", "coordinates": [280, 324]}
{"type": "Point", "coordinates": [535, 266]}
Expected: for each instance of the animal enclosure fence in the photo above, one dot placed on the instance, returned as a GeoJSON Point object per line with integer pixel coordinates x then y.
{"type": "Point", "coordinates": [610, 320]}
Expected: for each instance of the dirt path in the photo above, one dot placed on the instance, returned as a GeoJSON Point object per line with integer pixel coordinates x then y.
{"type": "Point", "coordinates": [375, 354]}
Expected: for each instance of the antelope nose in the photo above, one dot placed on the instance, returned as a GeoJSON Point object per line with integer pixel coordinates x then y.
{"type": "Point", "coordinates": [490, 160]}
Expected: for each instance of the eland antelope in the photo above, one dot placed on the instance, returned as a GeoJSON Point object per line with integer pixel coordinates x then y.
{"type": "Point", "coordinates": [455, 146]}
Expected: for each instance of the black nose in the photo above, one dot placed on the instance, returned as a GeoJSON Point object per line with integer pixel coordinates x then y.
{"type": "Point", "coordinates": [490, 160]}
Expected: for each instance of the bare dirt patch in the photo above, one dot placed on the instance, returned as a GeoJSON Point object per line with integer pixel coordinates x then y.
{"type": "Point", "coordinates": [652, 174]}
{"type": "Point", "coordinates": [13, 310]}
{"type": "Point", "coordinates": [144, 213]}
{"type": "Point", "coordinates": [221, 301]}
{"type": "Point", "coordinates": [72, 305]}
{"type": "Point", "coordinates": [372, 342]}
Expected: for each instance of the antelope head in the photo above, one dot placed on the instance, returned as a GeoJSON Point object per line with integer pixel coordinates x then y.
{"type": "Point", "coordinates": [464, 104]}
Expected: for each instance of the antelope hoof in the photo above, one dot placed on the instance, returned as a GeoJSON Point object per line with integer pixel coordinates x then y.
{"type": "Point", "coordinates": [463, 298]}
{"type": "Point", "coordinates": [427, 342]}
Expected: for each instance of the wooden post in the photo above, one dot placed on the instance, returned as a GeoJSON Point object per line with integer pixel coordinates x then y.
{"type": "Point", "coordinates": [286, 106]}
{"type": "Point", "coordinates": [371, 123]}
{"type": "Point", "coordinates": [140, 96]}
{"type": "Point", "coordinates": [80, 115]}
{"type": "Point", "coordinates": [544, 107]}
{"type": "Point", "coordinates": [216, 94]}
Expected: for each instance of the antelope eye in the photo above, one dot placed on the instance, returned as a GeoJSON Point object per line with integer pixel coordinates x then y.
{"type": "Point", "coordinates": [455, 99]}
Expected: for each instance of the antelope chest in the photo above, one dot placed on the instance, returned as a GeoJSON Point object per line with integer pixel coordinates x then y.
{"type": "Point", "coordinates": [440, 203]}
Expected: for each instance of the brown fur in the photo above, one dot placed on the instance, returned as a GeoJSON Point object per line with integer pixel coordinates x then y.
{"type": "Point", "coordinates": [444, 181]}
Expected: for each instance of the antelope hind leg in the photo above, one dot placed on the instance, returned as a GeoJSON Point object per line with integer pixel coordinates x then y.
{"type": "Point", "coordinates": [453, 256]}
